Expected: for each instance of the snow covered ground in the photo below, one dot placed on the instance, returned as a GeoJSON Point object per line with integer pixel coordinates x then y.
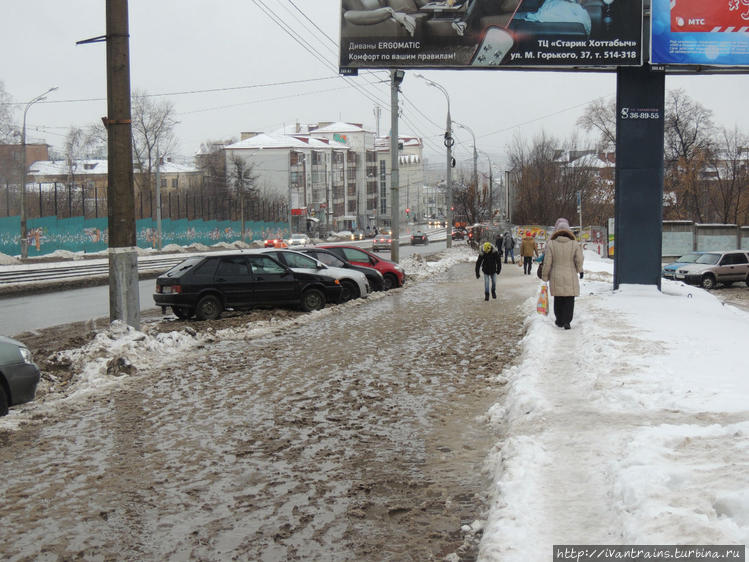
{"type": "Point", "coordinates": [632, 428]}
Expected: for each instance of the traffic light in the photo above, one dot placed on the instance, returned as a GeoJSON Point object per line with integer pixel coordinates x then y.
{"type": "Point", "coordinates": [408, 211]}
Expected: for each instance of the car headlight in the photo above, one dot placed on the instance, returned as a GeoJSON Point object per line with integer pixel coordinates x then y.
{"type": "Point", "coordinates": [25, 354]}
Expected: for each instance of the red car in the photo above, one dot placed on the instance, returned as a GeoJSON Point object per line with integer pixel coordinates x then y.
{"type": "Point", "coordinates": [276, 243]}
{"type": "Point", "coordinates": [393, 273]}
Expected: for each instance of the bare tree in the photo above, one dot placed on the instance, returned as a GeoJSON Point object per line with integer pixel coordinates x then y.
{"type": "Point", "coordinates": [153, 131]}
{"type": "Point", "coordinates": [600, 116]}
{"type": "Point", "coordinates": [242, 178]}
{"type": "Point", "coordinates": [728, 176]}
{"type": "Point", "coordinates": [547, 175]}
{"type": "Point", "coordinates": [8, 127]}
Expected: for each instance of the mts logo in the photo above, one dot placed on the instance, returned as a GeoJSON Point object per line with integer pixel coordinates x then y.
{"type": "Point", "coordinates": [696, 21]}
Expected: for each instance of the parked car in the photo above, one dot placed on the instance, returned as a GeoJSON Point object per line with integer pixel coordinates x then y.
{"type": "Point", "coordinates": [374, 278]}
{"type": "Point", "coordinates": [354, 283]}
{"type": "Point", "coordinates": [205, 286]}
{"type": "Point", "coordinates": [19, 375]}
{"type": "Point", "coordinates": [393, 274]}
{"type": "Point", "coordinates": [275, 243]}
{"type": "Point", "coordinates": [669, 270]}
{"type": "Point", "coordinates": [419, 237]}
{"type": "Point", "coordinates": [381, 242]}
{"type": "Point", "coordinates": [299, 240]}
{"type": "Point", "coordinates": [713, 268]}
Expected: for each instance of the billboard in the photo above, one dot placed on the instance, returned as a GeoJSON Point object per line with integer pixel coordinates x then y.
{"type": "Point", "coordinates": [698, 32]}
{"type": "Point", "coordinates": [490, 34]}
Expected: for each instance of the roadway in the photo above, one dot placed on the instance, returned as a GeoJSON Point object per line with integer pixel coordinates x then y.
{"type": "Point", "coordinates": [39, 310]}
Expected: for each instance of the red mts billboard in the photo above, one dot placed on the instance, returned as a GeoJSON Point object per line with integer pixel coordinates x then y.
{"type": "Point", "coordinates": [709, 16]}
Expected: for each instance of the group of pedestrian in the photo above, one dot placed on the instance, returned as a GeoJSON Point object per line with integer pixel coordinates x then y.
{"type": "Point", "coordinates": [561, 266]}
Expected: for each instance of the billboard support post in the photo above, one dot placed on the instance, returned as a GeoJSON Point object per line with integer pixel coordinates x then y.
{"type": "Point", "coordinates": [640, 102]}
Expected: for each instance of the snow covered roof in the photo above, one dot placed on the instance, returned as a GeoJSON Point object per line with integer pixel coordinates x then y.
{"type": "Point", "coordinates": [341, 127]}
{"type": "Point", "coordinates": [95, 167]}
{"type": "Point", "coordinates": [298, 141]}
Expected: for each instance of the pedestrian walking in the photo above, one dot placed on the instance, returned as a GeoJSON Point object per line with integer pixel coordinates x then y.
{"type": "Point", "coordinates": [562, 268]}
{"type": "Point", "coordinates": [490, 264]}
{"type": "Point", "coordinates": [509, 246]}
{"type": "Point", "coordinates": [527, 251]}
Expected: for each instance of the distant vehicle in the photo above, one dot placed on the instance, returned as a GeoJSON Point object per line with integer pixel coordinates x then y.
{"type": "Point", "coordinates": [458, 234]}
{"type": "Point", "coordinates": [393, 273]}
{"type": "Point", "coordinates": [299, 240]}
{"type": "Point", "coordinates": [19, 375]}
{"type": "Point", "coordinates": [419, 237]}
{"type": "Point", "coordinates": [381, 242]}
{"type": "Point", "coordinates": [357, 235]}
{"type": "Point", "coordinates": [276, 243]}
{"type": "Point", "coordinates": [354, 283]}
{"type": "Point", "coordinates": [374, 278]}
{"type": "Point", "coordinates": [713, 268]}
{"type": "Point", "coordinates": [205, 286]}
{"type": "Point", "coordinates": [437, 223]}
{"type": "Point", "coordinates": [669, 270]}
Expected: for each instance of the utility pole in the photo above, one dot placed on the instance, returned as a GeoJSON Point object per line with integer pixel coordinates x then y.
{"type": "Point", "coordinates": [124, 302]}
{"type": "Point", "coordinates": [396, 77]}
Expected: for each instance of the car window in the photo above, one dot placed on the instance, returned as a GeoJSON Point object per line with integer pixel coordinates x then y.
{"type": "Point", "coordinates": [181, 267]}
{"type": "Point", "coordinates": [739, 259]}
{"type": "Point", "coordinates": [355, 255]}
{"type": "Point", "coordinates": [329, 259]}
{"type": "Point", "coordinates": [232, 266]}
{"type": "Point", "coordinates": [688, 258]}
{"type": "Point", "coordinates": [264, 264]}
{"type": "Point", "coordinates": [708, 259]}
{"type": "Point", "coordinates": [298, 260]}
{"type": "Point", "coordinates": [205, 269]}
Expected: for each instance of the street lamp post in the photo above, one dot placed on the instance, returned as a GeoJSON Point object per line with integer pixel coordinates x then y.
{"type": "Point", "coordinates": [475, 155]}
{"type": "Point", "coordinates": [491, 185]}
{"type": "Point", "coordinates": [24, 232]}
{"type": "Point", "coordinates": [449, 142]}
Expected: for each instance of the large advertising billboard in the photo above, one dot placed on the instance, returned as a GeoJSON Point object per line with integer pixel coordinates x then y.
{"type": "Point", "coordinates": [490, 33]}
{"type": "Point", "coordinates": [700, 32]}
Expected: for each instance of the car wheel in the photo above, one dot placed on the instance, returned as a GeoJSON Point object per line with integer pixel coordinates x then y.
{"type": "Point", "coordinates": [182, 313]}
{"type": "Point", "coordinates": [209, 308]}
{"type": "Point", "coordinates": [391, 282]}
{"type": "Point", "coordinates": [350, 290]}
{"type": "Point", "coordinates": [708, 282]}
{"type": "Point", "coordinates": [3, 402]}
{"type": "Point", "coordinates": [312, 299]}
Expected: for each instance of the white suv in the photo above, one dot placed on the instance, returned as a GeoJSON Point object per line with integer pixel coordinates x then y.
{"type": "Point", "coordinates": [711, 268]}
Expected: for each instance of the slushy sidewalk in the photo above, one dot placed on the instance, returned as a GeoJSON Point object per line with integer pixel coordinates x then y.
{"type": "Point", "coordinates": [631, 428]}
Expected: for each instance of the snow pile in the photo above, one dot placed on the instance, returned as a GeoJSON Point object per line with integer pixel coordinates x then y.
{"type": "Point", "coordinates": [62, 255]}
{"type": "Point", "coordinates": [5, 259]}
{"type": "Point", "coordinates": [419, 267]}
{"type": "Point", "coordinates": [631, 428]}
{"type": "Point", "coordinates": [173, 248]}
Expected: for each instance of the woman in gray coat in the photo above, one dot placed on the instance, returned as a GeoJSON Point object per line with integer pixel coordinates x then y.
{"type": "Point", "coordinates": [563, 267]}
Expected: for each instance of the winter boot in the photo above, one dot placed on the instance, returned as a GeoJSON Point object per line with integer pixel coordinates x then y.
{"type": "Point", "coordinates": [494, 294]}
{"type": "Point", "coordinates": [486, 296]}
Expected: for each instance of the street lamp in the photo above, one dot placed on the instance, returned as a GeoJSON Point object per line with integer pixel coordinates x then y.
{"type": "Point", "coordinates": [475, 156]}
{"type": "Point", "coordinates": [449, 142]}
{"type": "Point", "coordinates": [24, 233]}
{"type": "Point", "coordinates": [491, 185]}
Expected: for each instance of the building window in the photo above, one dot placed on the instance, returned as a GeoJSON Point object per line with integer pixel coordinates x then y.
{"type": "Point", "coordinates": [175, 182]}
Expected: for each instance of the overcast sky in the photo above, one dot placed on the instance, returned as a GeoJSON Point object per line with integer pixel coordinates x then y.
{"type": "Point", "coordinates": [181, 48]}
